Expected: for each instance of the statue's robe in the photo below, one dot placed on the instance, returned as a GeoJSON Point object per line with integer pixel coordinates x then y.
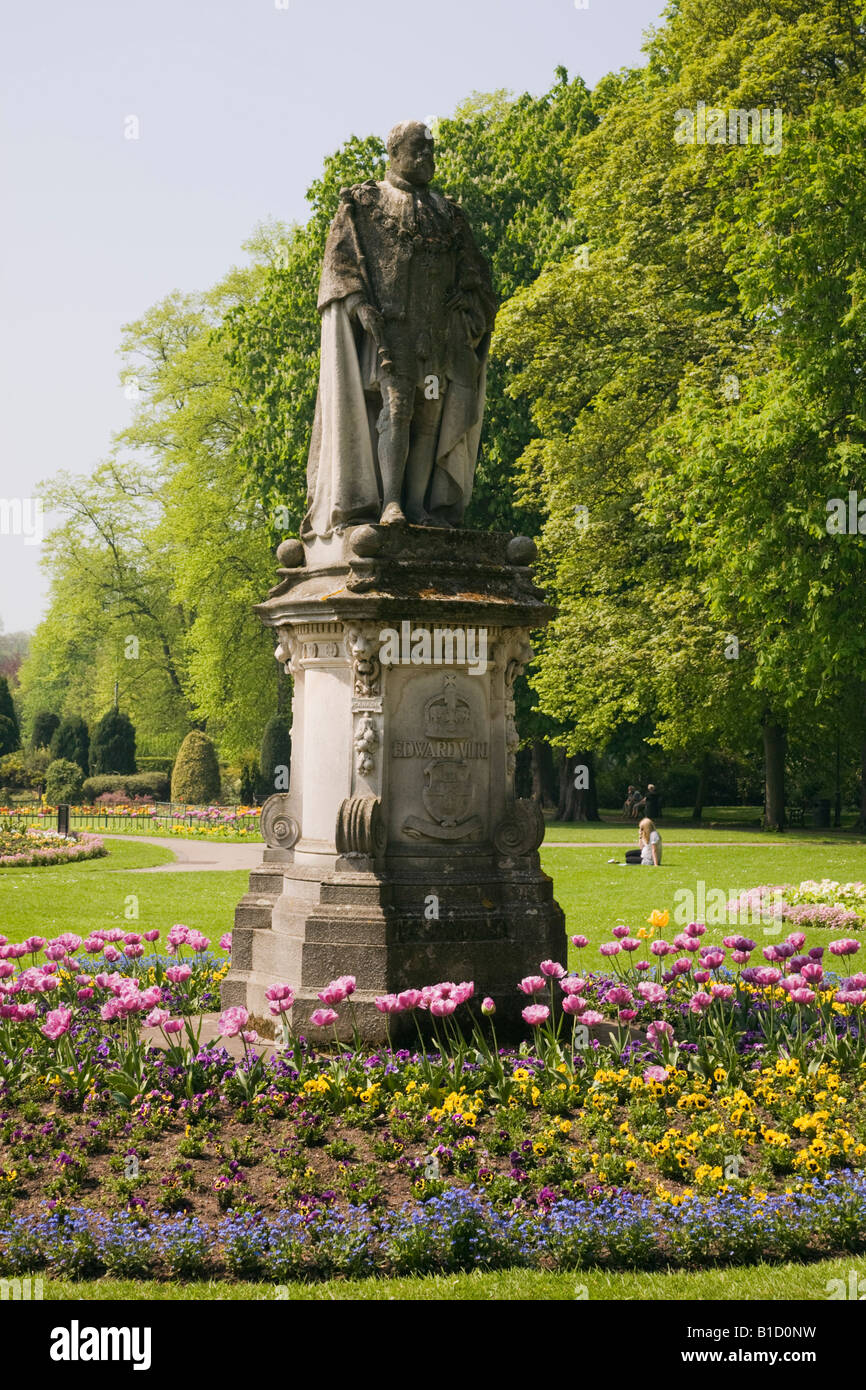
{"type": "Point", "coordinates": [405, 251]}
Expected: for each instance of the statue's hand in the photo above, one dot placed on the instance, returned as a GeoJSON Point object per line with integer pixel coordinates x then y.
{"type": "Point", "coordinates": [371, 320]}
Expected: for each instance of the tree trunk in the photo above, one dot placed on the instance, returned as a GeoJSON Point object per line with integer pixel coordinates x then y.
{"type": "Point", "coordinates": [545, 786]}
{"type": "Point", "coordinates": [774, 774]}
{"type": "Point", "coordinates": [577, 802]}
{"type": "Point", "coordinates": [703, 776]}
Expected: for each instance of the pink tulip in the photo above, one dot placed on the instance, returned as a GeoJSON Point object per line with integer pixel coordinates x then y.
{"type": "Point", "coordinates": [620, 931]}
{"type": "Point", "coordinates": [699, 1002]}
{"type": "Point", "coordinates": [573, 1004]}
{"type": "Point", "coordinates": [655, 1074]}
{"type": "Point", "coordinates": [609, 948]}
{"type": "Point", "coordinates": [232, 1020]}
{"type": "Point", "coordinates": [152, 935]}
{"type": "Point", "coordinates": [174, 1025]}
{"type": "Point", "coordinates": [765, 975]}
{"type": "Point", "coordinates": [84, 994]}
{"type": "Point", "coordinates": [332, 993]}
{"type": "Point", "coordinates": [651, 993]}
{"type": "Point", "coordinates": [722, 991]}
{"type": "Point", "coordinates": [532, 984]}
{"type": "Point", "coordinates": [178, 973]}
{"type": "Point", "coordinates": [390, 1004]}
{"type": "Point", "coordinates": [57, 1023]}
{"type": "Point", "coordinates": [274, 992]}
{"type": "Point", "coordinates": [156, 1018]}
{"type": "Point", "coordinates": [844, 947]}
{"type": "Point", "coordinates": [572, 985]}
{"type": "Point", "coordinates": [695, 929]}
{"type": "Point", "coordinates": [251, 1036]}
{"type": "Point", "coordinates": [409, 999]}
{"type": "Point", "coordinates": [536, 1014]}
{"type": "Point", "coordinates": [580, 942]}
{"type": "Point", "coordinates": [803, 996]}
{"type": "Point", "coordinates": [442, 1008]}
{"type": "Point", "coordinates": [552, 969]}
{"type": "Point", "coordinates": [111, 953]}
{"type": "Point", "coordinates": [591, 1017]}
{"type": "Point", "coordinates": [657, 1030]}
{"type": "Point", "coordinates": [620, 994]}
{"type": "Point", "coordinates": [630, 943]}
{"type": "Point", "coordinates": [488, 1007]}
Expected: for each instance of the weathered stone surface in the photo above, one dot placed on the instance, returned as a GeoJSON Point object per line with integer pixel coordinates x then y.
{"type": "Point", "coordinates": [400, 853]}
{"type": "Point", "coordinates": [407, 308]}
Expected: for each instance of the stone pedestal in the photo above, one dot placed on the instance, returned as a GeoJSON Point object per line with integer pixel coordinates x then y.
{"type": "Point", "coordinates": [400, 854]}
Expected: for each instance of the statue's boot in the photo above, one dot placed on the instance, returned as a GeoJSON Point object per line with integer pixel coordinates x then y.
{"type": "Point", "coordinates": [419, 468]}
{"type": "Point", "coordinates": [393, 448]}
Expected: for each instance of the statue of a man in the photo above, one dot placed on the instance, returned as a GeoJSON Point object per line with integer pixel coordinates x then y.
{"type": "Point", "coordinates": [407, 308]}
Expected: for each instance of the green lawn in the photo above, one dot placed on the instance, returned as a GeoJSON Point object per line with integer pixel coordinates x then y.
{"type": "Point", "coordinates": [776, 1282]}
{"type": "Point", "coordinates": [97, 893]}
{"type": "Point", "coordinates": [594, 894]}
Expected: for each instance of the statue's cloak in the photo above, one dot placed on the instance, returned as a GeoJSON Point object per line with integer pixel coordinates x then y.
{"type": "Point", "coordinates": [343, 482]}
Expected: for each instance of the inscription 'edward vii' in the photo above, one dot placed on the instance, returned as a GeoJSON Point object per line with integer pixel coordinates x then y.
{"type": "Point", "coordinates": [439, 748]}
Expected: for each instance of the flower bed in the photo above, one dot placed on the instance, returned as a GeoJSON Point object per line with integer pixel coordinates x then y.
{"type": "Point", "coordinates": [658, 1113]}
{"type": "Point", "coordinates": [837, 906]}
{"type": "Point", "coordinates": [30, 848]}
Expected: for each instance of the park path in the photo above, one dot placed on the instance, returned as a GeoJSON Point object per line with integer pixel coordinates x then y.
{"type": "Point", "coordinates": [668, 844]}
{"type": "Point", "coordinates": [196, 856]}
{"type": "Point", "coordinates": [202, 856]}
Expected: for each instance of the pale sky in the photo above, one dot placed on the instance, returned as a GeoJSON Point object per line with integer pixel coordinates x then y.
{"type": "Point", "coordinates": [237, 103]}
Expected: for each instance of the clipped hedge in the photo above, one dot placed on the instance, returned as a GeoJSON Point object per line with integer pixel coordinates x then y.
{"type": "Point", "coordinates": [153, 784]}
{"type": "Point", "coordinates": [63, 782]}
{"type": "Point", "coordinates": [196, 776]}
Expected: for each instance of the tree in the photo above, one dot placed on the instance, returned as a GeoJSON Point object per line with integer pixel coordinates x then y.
{"type": "Point", "coordinates": [71, 742]}
{"type": "Point", "coordinates": [113, 746]}
{"type": "Point", "coordinates": [662, 541]}
{"type": "Point", "coordinates": [505, 160]}
{"type": "Point", "coordinates": [44, 725]}
{"type": "Point", "coordinates": [195, 779]}
{"type": "Point", "coordinates": [63, 782]}
{"type": "Point", "coordinates": [7, 712]}
{"type": "Point", "coordinates": [9, 740]}
{"type": "Point", "coordinates": [275, 757]}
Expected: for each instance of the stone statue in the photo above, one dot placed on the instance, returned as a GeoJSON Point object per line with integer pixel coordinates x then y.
{"type": "Point", "coordinates": [407, 308]}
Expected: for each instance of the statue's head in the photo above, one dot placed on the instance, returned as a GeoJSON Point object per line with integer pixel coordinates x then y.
{"type": "Point", "coordinates": [410, 150]}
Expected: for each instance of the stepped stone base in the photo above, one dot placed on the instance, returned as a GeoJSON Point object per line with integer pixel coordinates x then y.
{"type": "Point", "coordinates": [400, 854]}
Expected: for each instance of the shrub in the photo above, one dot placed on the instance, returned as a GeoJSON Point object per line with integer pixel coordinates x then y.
{"type": "Point", "coordinates": [196, 776]}
{"type": "Point", "coordinates": [71, 741]}
{"type": "Point", "coordinates": [249, 781]}
{"type": "Point", "coordinates": [43, 728]}
{"type": "Point", "coordinates": [63, 781]}
{"type": "Point", "coordinates": [8, 736]}
{"type": "Point", "coordinates": [155, 765]}
{"type": "Point", "coordinates": [113, 746]}
{"type": "Point", "coordinates": [134, 784]}
{"type": "Point", "coordinates": [13, 771]}
{"type": "Point", "coordinates": [275, 757]}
